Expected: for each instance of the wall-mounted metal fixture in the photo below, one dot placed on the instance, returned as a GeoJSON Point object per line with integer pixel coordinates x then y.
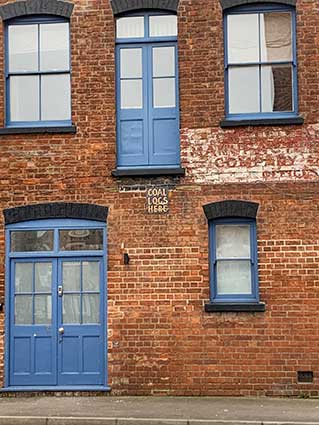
{"type": "Point", "coordinates": [1, 306]}
{"type": "Point", "coordinates": [126, 258]}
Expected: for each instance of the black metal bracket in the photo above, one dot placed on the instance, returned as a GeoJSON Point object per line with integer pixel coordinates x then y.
{"type": "Point", "coordinates": [126, 258]}
{"type": "Point", "coordinates": [1, 306]}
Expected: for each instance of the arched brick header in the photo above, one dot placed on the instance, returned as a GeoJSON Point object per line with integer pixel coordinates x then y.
{"type": "Point", "coordinates": [121, 6]}
{"type": "Point", "coordinates": [36, 7]}
{"type": "Point", "coordinates": [232, 208]}
{"type": "Point", "coordinates": [55, 210]}
{"type": "Point", "coordinates": [227, 4]}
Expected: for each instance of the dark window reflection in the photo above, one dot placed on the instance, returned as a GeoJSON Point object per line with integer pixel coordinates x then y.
{"type": "Point", "coordinates": [32, 240]}
{"type": "Point", "coordinates": [81, 240]}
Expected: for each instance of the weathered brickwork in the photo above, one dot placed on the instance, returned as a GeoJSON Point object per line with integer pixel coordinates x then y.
{"type": "Point", "coordinates": [160, 339]}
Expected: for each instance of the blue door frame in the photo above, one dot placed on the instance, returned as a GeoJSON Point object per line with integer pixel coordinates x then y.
{"type": "Point", "coordinates": [77, 358]}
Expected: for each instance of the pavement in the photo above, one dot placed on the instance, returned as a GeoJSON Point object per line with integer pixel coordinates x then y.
{"type": "Point", "coordinates": [111, 410]}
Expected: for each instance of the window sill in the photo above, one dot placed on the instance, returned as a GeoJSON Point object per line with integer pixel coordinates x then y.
{"type": "Point", "coordinates": [228, 122]}
{"type": "Point", "coordinates": [234, 307]}
{"type": "Point", "coordinates": [148, 172]}
{"type": "Point", "coordinates": [38, 130]}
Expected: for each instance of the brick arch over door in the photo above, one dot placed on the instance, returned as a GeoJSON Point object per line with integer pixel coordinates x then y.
{"type": "Point", "coordinates": [55, 210]}
{"type": "Point", "coordinates": [227, 4]}
{"type": "Point", "coordinates": [122, 6]}
{"type": "Point", "coordinates": [36, 7]}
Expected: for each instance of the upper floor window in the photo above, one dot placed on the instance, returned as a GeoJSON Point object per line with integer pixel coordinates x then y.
{"type": "Point", "coordinates": [260, 61]}
{"type": "Point", "coordinates": [147, 91]}
{"type": "Point", "coordinates": [38, 72]}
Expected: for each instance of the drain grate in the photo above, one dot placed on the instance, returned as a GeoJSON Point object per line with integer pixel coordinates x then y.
{"type": "Point", "coordinates": [305, 376]}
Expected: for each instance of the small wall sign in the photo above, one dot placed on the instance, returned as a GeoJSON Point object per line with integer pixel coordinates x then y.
{"type": "Point", "coordinates": [157, 200]}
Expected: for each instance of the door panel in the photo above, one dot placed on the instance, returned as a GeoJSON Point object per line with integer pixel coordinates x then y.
{"type": "Point", "coordinates": [33, 336]}
{"type": "Point", "coordinates": [80, 346]}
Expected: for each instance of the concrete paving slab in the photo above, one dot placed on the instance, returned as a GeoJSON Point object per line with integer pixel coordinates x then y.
{"type": "Point", "coordinates": [111, 410]}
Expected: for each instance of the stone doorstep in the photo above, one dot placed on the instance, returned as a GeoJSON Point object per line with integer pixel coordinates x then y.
{"type": "Point", "coordinates": [40, 420]}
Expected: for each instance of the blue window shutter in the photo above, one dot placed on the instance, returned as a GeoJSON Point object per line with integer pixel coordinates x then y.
{"type": "Point", "coordinates": [163, 122]}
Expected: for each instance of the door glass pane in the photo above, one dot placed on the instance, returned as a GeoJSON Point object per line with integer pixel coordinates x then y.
{"type": "Point", "coordinates": [164, 92]}
{"type": "Point", "coordinates": [131, 63]}
{"type": "Point", "coordinates": [243, 89]}
{"type": "Point", "coordinates": [32, 240]}
{"type": "Point", "coordinates": [54, 47]}
{"type": "Point", "coordinates": [43, 277]}
{"type": "Point", "coordinates": [23, 48]}
{"type": "Point", "coordinates": [276, 36]}
{"type": "Point", "coordinates": [243, 38]}
{"type": "Point", "coordinates": [131, 94]}
{"type": "Point", "coordinates": [132, 27]}
{"type": "Point", "coordinates": [71, 275]}
{"type": "Point", "coordinates": [81, 239]}
{"type": "Point", "coordinates": [55, 97]}
{"type": "Point", "coordinates": [232, 241]}
{"type": "Point", "coordinates": [24, 98]}
{"type": "Point", "coordinates": [163, 25]}
{"type": "Point", "coordinates": [23, 277]}
{"type": "Point", "coordinates": [91, 308]}
{"type": "Point", "coordinates": [163, 62]}
{"type": "Point", "coordinates": [277, 88]}
{"type": "Point", "coordinates": [42, 309]}
{"type": "Point", "coordinates": [91, 275]}
{"type": "Point", "coordinates": [233, 277]}
{"type": "Point", "coordinates": [71, 308]}
{"type": "Point", "coordinates": [23, 310]}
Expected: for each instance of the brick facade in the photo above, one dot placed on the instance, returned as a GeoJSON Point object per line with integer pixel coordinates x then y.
{"type": "Point", "coordinates": [160, 339]}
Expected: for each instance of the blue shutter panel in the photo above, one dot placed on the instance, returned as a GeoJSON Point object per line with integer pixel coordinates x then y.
{"type": "Point", "coordinates": [163, 123]}
{"type": "Point", "coordinates": [132, 128]}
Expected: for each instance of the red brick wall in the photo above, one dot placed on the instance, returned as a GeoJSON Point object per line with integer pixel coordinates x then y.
{"type": "Point", "coordinates": [160, 339]}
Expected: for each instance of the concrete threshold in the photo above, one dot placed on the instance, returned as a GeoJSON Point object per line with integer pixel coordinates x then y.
{"type": "Point", "coordinates": [71, 420]}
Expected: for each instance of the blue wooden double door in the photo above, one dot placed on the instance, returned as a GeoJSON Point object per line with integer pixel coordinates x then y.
{"type": "Point", "coordinates": [56, 322]}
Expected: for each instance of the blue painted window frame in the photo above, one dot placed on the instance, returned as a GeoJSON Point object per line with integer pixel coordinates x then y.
{"type": "Point", "coordinates": [145, 42]}
{"type": "Point", "coordinates": [35, 20]}
{"type": "Point", "coordinates": [261, 8]}
{"type": "Point", "coordinates": [234, 298]}
{"type": "Point", "coordinates": [55, 225]}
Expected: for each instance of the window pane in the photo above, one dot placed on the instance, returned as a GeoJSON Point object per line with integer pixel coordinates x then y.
{"type": "Point", "coordinates": [163, 62]}
{"type": "Point", "coordinates": [232, 241]}
{"type": "Point", "coordinates": [243, 38]}
{"type": "Point", "coordinates": [131, 94]}
{"type": "Point", "coordinates": [55, 97]}
{"type": "Point", "coordinates": [54, 47]}
{"type": "Point", "coordinates": [164, 92]}
{"type": "Point", "coordinates": [32, 240]}
{"type": "Point", "coordinates": [243, 89]}
{"type": "Point", "coordinates": [91, 308]}
{"type": "Point", "coordinates": [71, 309]}
{"type": "Point", "coordinates": [43, 277]}
{"type": "Point", "coordinates": [233, 277]}
{"type": "Point", "coordinates": [23, 48]}
{"type": "Point", "coordinates": [42, 309]}
{"type": "Point", "coordinates": [23, 277]}
{"type": "Point", "coordinates": [91, 275]}
{"type": "Point", "coordinates": [132, 27]}
{"type": "Point", "coordinates": [277, 88]}
{"type": "Point", "coordinates": [71, 275]}
{"type": "Point", "coordinates": [276, 36]}
{"type": "Point", "coordinates": [81, 239]}
{"type": "Point", "coordinates": [163, 25]}
{"type": "Point", "coordinates": [24, 98]}
{"type": "Point", "coordinates": [131, 63]}
{"type": "Point", "coordinates": [23, 310]}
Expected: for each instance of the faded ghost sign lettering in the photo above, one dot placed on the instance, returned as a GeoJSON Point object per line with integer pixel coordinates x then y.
{"type": "Point", "coordinates": [157, 200]}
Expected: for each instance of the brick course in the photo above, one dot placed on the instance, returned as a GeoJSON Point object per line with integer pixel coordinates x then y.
{"type": "Point", "coordinates": [160, 339]}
